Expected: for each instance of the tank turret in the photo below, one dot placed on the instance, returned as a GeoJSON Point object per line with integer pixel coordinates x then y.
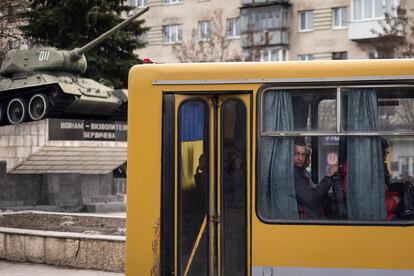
{"type": "Point", "coordinates": [47, 58]}
{"type": "Point", "coordinates": [44, 82]}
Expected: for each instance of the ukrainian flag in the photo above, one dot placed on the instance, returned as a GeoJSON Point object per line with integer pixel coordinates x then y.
{"type": "Point", "coordinates": [192, 128]}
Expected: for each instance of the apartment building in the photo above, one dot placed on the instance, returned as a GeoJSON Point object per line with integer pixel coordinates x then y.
{"type": "Point", "coordinates": [267, 30]}
{"type": "Point", "coordinates": [338, 29]}
{"type": "Point", "coordinates": [190, 22]}
{"type": "Point", "coordinates": [320, 30]}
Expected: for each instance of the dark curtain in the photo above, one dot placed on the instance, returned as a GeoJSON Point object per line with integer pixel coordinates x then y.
{"type": "Point", "coordinates": [277, 190]}
{"type": "Point", "coordinates": [192, 121]}
{"type": "Point", "coordinates": [365, 175]}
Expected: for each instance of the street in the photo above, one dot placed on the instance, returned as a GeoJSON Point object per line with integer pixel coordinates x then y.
{"type": "Point", "coordinates": [24, 269]}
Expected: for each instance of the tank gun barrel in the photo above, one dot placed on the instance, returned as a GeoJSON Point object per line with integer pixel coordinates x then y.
{"type": "Point", "coordinates": [76, 53]}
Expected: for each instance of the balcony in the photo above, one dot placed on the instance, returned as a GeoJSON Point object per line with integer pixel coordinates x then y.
{"type": "Point", "coordinates": [266, 25]}
{"type": "Point", "coordinates": [265, 38]}
{"type": "Point", "coordinates": [364, 29]}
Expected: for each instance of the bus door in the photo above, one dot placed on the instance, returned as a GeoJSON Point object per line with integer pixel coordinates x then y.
{"type": "Point", "coordinates": [212, 184]}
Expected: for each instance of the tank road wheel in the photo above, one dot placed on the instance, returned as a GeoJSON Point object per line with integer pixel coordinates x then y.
{"type": "Point", "coordinates": [38, 107]}
{"type": "Point", "coordinates": [17, 111]}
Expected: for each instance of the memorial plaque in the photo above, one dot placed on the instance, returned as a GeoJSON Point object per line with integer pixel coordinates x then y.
{"type": "Point", "coordinates": [87, 130]}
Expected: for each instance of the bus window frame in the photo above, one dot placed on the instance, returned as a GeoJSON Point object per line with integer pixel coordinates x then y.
{"type": "Point", "coordinates": [177, 186]}
{"type": "Point", "coordinates": [168, 239]}
{"type": "Point", "coordinates": [167, 223]}
{"type": "Point", "coordinates": [317, 84]}
{"type": "Point", "coordinates": [247, 182]}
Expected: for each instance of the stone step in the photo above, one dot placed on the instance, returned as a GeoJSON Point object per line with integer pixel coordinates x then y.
{"type": "Point", "coordinates": [101, 207]}
{"type": "Point", "coordinates": [48, 208]}
{"type": "Point", "coordinates": [105, 198]}
{"type": "Point", "coordinates": [11, 203]}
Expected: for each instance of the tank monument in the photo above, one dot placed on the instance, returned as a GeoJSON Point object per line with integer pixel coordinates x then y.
{"type": "Point", "coordinates": [61, 135]}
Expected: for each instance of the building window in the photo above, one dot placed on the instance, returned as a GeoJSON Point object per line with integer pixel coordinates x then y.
{"type": "Point", "coordinates": [138, 3]}
{"type": "Point", "coordinates": [339, 17]}
{"type": "Point", "coordinates": [266, 54]}
{"type": "Point", "coordinates": [273, 54]}
{"type": "Point", "coordinates": [261, 19]}
{"type": "Point", "coordinates": [173, 33]}
{"type": "Point", "coordinates": [305, 21]}
{"type": "Point", "coordinates": [233, 27]}
{"type": "Point", "coordinates": [270, 19]}
{"type": "Point", "coordinates": [172, 1]}
{"type": "Point", "coordinates": [204, 33]}
{"type": "Point", "coordinates": [340, 55]}
{"type": "Point", "coordinates": [306, 57]}
{"type": "Point", "coordinates": [369, 9]}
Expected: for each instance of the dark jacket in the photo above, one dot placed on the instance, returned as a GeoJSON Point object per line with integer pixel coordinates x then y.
{"type": "Point", "coordinates": [309, 195]}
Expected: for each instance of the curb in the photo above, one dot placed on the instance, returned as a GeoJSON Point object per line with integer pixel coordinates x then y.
{"type": "Point", "coordinates": [77, 250]}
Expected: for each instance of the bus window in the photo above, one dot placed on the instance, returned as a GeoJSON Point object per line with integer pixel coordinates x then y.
{"type": "Point", "coordinates": [233, 194]}
{"type": "Point", "coordinates": [193, 188]}
{"type": "Point", "coordinates": [394, 107]}
{"type": "Point", "coordinates": [284, 112]}
{"type": "Point", "coordinates": [304, 105]}
{"type": "Point", "coordinates": [312, 167]}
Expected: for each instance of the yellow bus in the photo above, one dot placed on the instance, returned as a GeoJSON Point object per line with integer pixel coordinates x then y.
{"type": "Point", "coordinates": [290, 168]}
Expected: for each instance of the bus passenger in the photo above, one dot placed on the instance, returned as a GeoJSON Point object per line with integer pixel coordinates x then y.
{"type": "Point", "coordinates": [308, 194]}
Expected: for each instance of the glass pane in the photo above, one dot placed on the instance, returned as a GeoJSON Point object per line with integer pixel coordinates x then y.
{"type": "Point", "coordinates": [237, 23]}
{"type": "Point", "coordinates": [376, 170]}
{"type": "Point", "coordinates": [400, 158]}
{"type": "Point", "coordinates": [357, 9]}
{"type": "Point", "coordinates": [234, 236]}
{"type": "Point", "coordinates": [193, 188]}
{"type": "Point", "coordinates": [277, 19]}
{"type": "Point", "coordinates": [344, 16]}
{"type": "Point", "coordinates": [379, 11]}
{"type": "Point", "coordinates": [389, 7]}
{"type": "Point", "coordinates": [309, 24]}
{"type": "Point", "coordinates": [302, 20]}
{"type": "Point", "coordinates": [336, 18]}
{"type": "Point", "coordinates": [311, 109]}
{"type": "Point", "coordinates": [301, 168]}
{"type": "Point", "coordinates": [327, 115]}
{"type": "Point", "coordinates": [315, 169]}
{"type": "Point", "coordinates": [391, 109]}
{"type": "Point", "coordinates": [329, 153]}
{"type": "Point", "coordinates": [368, 9]}
{"type": "Point", "coordinates": [263, 18]}
{"type": "Point", "coordinates": [180, 33]}
{"type": "Point", "coordinates": [357, 178]}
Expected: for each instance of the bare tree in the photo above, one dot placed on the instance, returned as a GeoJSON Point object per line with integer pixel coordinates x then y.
{"type": "Point", "coordinates": [395, 40]}
{"type": "Point", "coordinates": [9, 23]}
{"type": "Point", "coordinates": [214, 49]}
{"type": "Point", "coordinates": [406, 112]}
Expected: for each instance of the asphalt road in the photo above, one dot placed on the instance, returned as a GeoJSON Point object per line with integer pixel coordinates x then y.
{"type": "Point", "coordinates": [29, 269]}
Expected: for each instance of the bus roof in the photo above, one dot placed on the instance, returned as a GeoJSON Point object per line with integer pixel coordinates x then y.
{"type": "Point", "coordinates": [287, 71]}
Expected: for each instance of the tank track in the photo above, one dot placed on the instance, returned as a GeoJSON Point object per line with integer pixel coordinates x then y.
{"type": "Point", "coordinates": [121, 114]}
{"type": "Point", "coordinates": [58, 101]}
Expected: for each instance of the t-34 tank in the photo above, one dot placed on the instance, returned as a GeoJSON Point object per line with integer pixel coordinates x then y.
{"type": "Point", "coordinates": [45, 82]}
